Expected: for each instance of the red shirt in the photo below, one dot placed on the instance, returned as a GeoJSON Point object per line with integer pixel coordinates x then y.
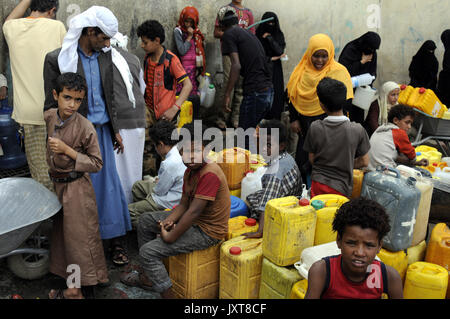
{"type": "Point", "coordinates": [338, 286]}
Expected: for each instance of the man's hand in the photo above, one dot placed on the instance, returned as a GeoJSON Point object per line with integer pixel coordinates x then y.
{"type": "Point", "coordinates": [366, 58]}
{"type": "Point", "coordinates": [257, 234]}
{"type": "Point", "coordinates": [170, 113]}
{"type": "Point", "coordinates": [226, 103]}
{"type": "Point", "coordinates": [118, 145]}
{"type": "Point", "coordinates": [3, 92]}
{"type": "Point", "coordinates": [57, 146]}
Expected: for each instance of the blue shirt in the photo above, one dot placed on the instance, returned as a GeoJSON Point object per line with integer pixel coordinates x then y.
{"type": "Point", "coordinates": [97, 113]}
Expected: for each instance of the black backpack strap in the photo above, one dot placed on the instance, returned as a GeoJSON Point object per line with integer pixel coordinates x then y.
{"type": "Point", "coordinates": [385, 278]}
{"type": "Point", "coordinates": [327, 278]}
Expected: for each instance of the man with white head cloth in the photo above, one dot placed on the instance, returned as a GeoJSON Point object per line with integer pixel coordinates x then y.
{"type": "Point", "coordinates": [86, 51]}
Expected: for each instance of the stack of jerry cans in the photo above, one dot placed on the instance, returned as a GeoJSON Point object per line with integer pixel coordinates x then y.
{"type": "Point", "coordinates": [289, 228]}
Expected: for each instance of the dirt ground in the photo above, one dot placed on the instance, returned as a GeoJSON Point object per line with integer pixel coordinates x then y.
{"type": "Point", "coordinates": [39, 288]}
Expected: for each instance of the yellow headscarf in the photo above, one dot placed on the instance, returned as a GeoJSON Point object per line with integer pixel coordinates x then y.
{"type": "Point", "coordinates": [305, 77]}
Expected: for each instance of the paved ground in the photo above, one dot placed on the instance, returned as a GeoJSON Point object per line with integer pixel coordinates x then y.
{"type": "Point", "coordinates": [38, 289]}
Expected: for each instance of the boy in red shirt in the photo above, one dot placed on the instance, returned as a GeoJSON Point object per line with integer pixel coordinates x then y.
{"type": "Point", "coordinates": [390, 144]}
{"type": "Point", "coordinates": [198, 222]}
{"type": "Point", "coordinates": [361, 225]}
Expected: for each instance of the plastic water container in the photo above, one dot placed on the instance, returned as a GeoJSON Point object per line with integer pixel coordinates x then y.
{"type": "Point", "coordinates": [400, 198]}
{"type": "Point", "coordinates": [397, 260]}
{"type": "Point", "coordinates": [362, 80]}
{"type": "Point", "coordinates": [312, 254]}
{"type": "Point", "coordinates": [238, 207]}
{"type": "Point", "coordinates": [446, 160]}
{"type": "Point", "coordinates": [235, 163]}
{"type": "Point", "coordinates": [364, 96]}
{"type": "Point", "coordinates": [252, 182]}
{"type": "Point", "coordinates": [443, 174]}
{"type": "Point", "coordinates": [240, 225]}
{"type": "Point", "coordinates": [240, 268]}
{"type": "Point", "coordinates": [204, 83]}
{"type": "Point", "coordinates": [256, 161]}
{"type": "Point", "coordinates": [299, 289]}
{"type": "Point", "coordinates": [195, 275]}
{"type": "Point", "coordinates": [210, 94]}
{"type": "Point", "coordinates": [13, 156]}
{"type": "Point", "coordinates": [416, 253]}
{"type": "Point", "coordinates": [236, 192]}
{"type": "Point", "coordinates": [425, 281]}
{"type": "Point", "coordinates": [430, 153]}
{"type": "Point", "coordinates": [426, 101]}
{"type": "Point", "coordinates": [358, 176]}
{"type": "Point", "coordinates": [405, 93]}
{"type": "Point", "coordinates": [288, 229]}
{"type": "Point", "coordinates": [186, 113]}
{"type": "Point", "coordinates": [325, 216]}
{"type": "Point", "coordinates": [438, 249]}
{"type": "Point", "coordinates": [423, 211]}
{"type": "Point", "coordinates": [277, 281]}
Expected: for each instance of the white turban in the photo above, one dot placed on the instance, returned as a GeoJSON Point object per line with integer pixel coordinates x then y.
{"type": "Point", "coordinates": [95, 16]}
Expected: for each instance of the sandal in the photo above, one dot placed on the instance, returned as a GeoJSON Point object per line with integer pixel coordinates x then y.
{"type": "Point", "coordinates": [133, 279]}
{"type": "Point", "coordinates": [119, 256]}
{"type": "Point", "coordinates": [58, 294]}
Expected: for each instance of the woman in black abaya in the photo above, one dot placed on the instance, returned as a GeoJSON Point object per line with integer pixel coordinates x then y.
{"type": "Point", "coordinates": [272, 39]}
{"type": "Point", "coordinates": [424, 66]}
{"type": "Point", "coordinates": [443, 88]}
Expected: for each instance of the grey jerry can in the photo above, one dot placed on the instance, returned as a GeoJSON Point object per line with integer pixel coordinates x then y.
{"type": "Point", "coordinates": [400, 198]}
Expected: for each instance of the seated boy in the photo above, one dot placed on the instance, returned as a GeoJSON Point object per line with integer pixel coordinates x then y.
{"type": "Point", "coordinates": [390, 144]}
{"type": "Point", "coordinates": [72, 153]}
{"type": "Point", "coordinates": [361, 225]}
{"type": "Point", "coordinates": [336, 146]}
{"type": "Point", "coordinates": [152, 196]}
{"type": "Point", "coordinates": [198, 222]}
{"type": "Point", "coordinates": [282, 177]}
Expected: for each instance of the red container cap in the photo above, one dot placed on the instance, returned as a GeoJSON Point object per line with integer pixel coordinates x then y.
{"type": "Point", "coordinates": [403, 86]}
{"type": "Point", "coordinates": [254, 162]}
{"type": "Point", "coordinates": [250, 222]}
{"type": "Point", "coordinates": [435, 164]}
{"type": "Point", "coordinates": [422, 90]}
{"type": "Point", "coordinates": [235, 250]}
{"type": "Point", "coordinates": [303, 202]}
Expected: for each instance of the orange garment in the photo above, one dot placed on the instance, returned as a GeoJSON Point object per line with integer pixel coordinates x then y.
{"type": "Point", "coordinates": [192, 13]}
{"type": "Point", "coordinates": [305, 77]}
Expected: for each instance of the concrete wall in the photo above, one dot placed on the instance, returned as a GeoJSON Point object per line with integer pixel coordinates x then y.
{"type": "Point", "coordinates": [402, 24]}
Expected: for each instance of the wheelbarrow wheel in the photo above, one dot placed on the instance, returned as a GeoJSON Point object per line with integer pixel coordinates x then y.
{"type": "Point", "coordinates": [29, 266]}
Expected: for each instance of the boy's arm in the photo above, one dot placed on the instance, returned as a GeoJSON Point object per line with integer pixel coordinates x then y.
{"type": "Point", "coordinates": [395, 286]}
{"type": "Point", "coordinates": [311, 158]}
{"type": "Point", "coordinates": [177, 212]}
{"type": "Point", "coordinates": [235, 71]}
{"type": "Point", "coordinates": [362, 161]}
{"type": "Point", "coordinates": [195, 209]}
{"type": "Point", "coordinates": [403, 159]}
{"type": "Point", "coordinates": [19, 11]}
{"type": "Point", "coordinates": [316, 280]}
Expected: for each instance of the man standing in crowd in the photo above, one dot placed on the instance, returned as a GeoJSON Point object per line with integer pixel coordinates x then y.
{"type": "Point", "coordinates": [29, 40]}
{"type": "Point", "coordinates": [85, 51]}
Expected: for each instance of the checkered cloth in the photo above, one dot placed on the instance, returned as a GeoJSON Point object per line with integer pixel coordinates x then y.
{"type": "Point", "coordinates": [286, 181]}
{"type": "Point", "coordinates": [36, 152]}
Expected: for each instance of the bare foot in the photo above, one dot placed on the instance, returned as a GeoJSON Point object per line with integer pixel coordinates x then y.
{"type": "Point", "coordinates": [168, 294]}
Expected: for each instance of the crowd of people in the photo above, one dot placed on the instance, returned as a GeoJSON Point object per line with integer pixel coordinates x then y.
{"type": "Point", "coordinates": [98, 122]}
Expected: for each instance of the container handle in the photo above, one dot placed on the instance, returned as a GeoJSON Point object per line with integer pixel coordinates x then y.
{"type": "Point", "coordinates": [384, 168]}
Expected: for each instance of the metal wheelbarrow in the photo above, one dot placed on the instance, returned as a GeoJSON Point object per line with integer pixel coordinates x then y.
{"type": "Point", "coordinates": [431, 128]}
{"type": "Point", "coordinates": [24, 205]}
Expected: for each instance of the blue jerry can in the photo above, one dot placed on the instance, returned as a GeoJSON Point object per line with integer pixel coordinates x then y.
{"type": "Point", "coordinates": [400, 198]}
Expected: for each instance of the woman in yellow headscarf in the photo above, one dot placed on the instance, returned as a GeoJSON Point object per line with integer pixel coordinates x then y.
{"type": "Point", "coordinates": [304, 107]}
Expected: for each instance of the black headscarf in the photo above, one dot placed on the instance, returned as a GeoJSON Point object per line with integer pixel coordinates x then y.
{"type": "Point", "coordinates": [351, 55]}
{"type": "Point", "coordinates": [275, 32]}
{"type": "Point", "coordinates": [443, 89]}
{"type": "Point", "coordinates": [424, 67]}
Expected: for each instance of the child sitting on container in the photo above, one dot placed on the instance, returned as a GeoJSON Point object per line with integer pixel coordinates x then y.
{"type": "Point", "coordinates": [282, 177]}
{"type": "Point", "coordinates": [390, 144]}
{"type": "Point", "coordinates": [361, 225]}
{"type": "Point", "coordinates": [335, 145]}
{"type": "Point", "coordinates": [165, 190]}
{"type": "Point", "coordinates": [73, 152]}
{"type": "Point", "coordinates": [198, 222]}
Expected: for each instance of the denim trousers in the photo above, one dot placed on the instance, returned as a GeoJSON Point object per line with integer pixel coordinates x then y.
{"type": "Point", "coordinates": [253, 108]}
{"type": "Point", "coordinates": [152, 249]}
